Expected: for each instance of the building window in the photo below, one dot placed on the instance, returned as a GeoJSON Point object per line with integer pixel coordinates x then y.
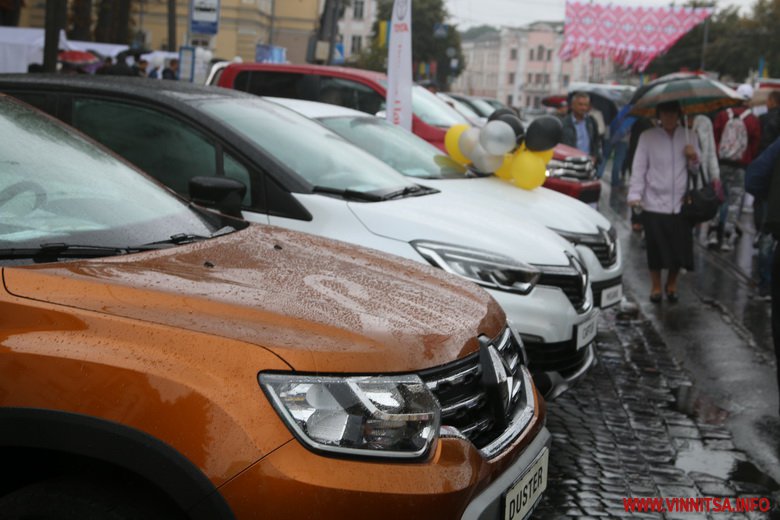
{"type": "Point", "coordinates": [511, 78]}
{"type": "Point", "coordinates": [549, 54]}
{"type": "Point", "coordinates": [537, 102]}
{"type": "Point", "coordinates": [509, 100]}
{"type": "Point", "coordinates": [565, 80]}
{"type": "Point", "coordinates": [531, 55]}
{"type": "Point", "coordinates": [538, 79]}
{"type": "Point", "coordinates": [528, 101]}
{"type": "Point", "coordinates": [357, 42]}
{"type": "Point", "coordinates": [540, 53]}
{"type": "Point", "coordinates": [530, 78]}
{"type": "Point", "coordinates": [357, 10]}
{"type": "Point", "coordinates": [546, 79]}
{"type": "Point", "coordinates": [513, 54]}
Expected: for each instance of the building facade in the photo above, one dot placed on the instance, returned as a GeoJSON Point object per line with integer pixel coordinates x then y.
{"type": "Point", "coordinates": [243, 24]}
{"type": "Point", "coordinates": [356, 27]}
{"type": "Point", "coordinates": [521, 66]}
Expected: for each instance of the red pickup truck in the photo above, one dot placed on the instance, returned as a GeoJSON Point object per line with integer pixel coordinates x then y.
{"type": "Point", "coordinates": [571, 171]}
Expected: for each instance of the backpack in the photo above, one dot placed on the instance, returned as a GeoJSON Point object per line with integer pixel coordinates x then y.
{"type": "Point", "coordinates": [734, 140]}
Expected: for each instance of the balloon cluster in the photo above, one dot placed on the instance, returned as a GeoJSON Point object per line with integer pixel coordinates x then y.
{"type": "Point", "coordinates": [503, 147]}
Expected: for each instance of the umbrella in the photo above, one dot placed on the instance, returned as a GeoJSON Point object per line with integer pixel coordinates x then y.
{"type": "Point", "coordinates": [674, 76]}
{"type": "Point", "coordinates": [696, 95]}
{"type": "Point", "coordinates": [608, 99]}
{"type": "Point", "coordinates": [554, 101]}
{"type": "Point", "coordinates": [77, 57]}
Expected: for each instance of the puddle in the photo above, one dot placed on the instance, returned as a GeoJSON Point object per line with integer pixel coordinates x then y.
{"type": "Point", "coordinates": [720, 464]}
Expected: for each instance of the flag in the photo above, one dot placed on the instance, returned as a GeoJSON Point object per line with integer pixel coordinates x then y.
{"type": "Point", "coordinates": [399, 66]}
{"type": "Point", "coordinates": [632, 36]}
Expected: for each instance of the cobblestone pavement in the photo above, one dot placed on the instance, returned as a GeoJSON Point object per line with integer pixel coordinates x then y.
{"type": "Point", "coordinates": [634, 427]}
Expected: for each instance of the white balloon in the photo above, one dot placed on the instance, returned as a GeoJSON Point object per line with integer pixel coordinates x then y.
{"type": "Point", "coordinates": [485, 162]}
{"type": "Point", "coordinates": [468, 141]}
{"type": "Point", "coordinates": [497, 138]}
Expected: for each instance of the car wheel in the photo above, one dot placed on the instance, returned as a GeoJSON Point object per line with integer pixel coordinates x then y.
{"type": "Point", "coordinates": [81, 499]}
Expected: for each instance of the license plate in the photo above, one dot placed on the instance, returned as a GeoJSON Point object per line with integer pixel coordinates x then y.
{"type": "Point", "coordinates": [586, 331]}
{"type": "Point", "coordinates": [611, 295]}
{"type": "Point", "coordinates": [521, 498]}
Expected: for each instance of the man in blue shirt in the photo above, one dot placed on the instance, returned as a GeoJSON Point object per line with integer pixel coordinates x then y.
{"type": "Point", "coordinates": [580, 130]}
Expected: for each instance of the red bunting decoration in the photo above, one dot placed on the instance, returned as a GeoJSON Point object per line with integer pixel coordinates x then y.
{"type": "Point", "coordinates": [631, 36]}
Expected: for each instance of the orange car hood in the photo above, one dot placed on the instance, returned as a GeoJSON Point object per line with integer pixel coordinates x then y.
{"type": "Point", "coordinates": [321, 305]}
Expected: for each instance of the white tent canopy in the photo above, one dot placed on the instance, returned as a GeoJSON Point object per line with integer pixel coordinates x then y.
{"type": "Point", "coordinates": [19, 47]}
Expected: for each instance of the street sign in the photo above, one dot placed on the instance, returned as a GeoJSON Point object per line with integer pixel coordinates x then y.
{"type": "Point", "coordinates": [187, 63]}
{"type": "Point", "coordinates": [204, 17]}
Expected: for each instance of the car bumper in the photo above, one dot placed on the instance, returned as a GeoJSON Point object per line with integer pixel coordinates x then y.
{"type": "Point", "coordinates": [548, 325]}
{"type": "Point", "coordinates": [602, 278]}
{"type": "Point", "coordinates": [457, 481]}
{"type": "Point", "coordinates": [585, 191]}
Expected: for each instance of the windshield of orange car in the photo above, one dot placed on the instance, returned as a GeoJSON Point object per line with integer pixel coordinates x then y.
{"type": "Point", "coordinates": [58, 187]}
{"type": "Point", "coordinates": [396, 147]}
{"type": "Point", "coordinates": [305, 147]}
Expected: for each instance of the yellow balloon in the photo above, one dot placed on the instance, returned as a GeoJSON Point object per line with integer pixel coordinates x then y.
{"type": "Point", "coordinates": [528, 170]}
{"type": "Point", "coordinates": [505, 170]}
{"type": "Point", "coordinates": [545, 155]}
{"type": "Point", "coordinates": [451, 143]}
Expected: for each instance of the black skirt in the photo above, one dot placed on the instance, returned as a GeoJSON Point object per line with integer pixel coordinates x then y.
{"type": "Point", "coordinates": [669, 241]}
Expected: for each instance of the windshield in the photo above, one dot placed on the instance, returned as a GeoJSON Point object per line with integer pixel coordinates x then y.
{"type": "Point", "coordinates": [57, 187]}
{"type": "Point", "coordinates": [482, 106]}
{"type": "Point", "coordinates": [433, 110]}
{"type": "Point", "coordinates": [460, 107]}
{"type": "Point", "coordinates": [402, 150]}
{"type": "Point", "coordinates": [310, 150]}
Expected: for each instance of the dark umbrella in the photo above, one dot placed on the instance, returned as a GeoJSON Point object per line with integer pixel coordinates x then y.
{"type": "Point", "coordinates": [674, 76]}
{"type": "Point", "coordinates": [606, 100]}
{"type": "Point", "coordinates": [696, 95]}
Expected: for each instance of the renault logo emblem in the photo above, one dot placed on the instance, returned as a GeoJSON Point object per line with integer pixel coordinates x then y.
{"type": "Point", "coordinates": [496, 379]}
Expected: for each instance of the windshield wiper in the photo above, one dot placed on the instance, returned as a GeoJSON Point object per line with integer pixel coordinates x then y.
{"type": "Point", "coordinates": [348, 194]}
{"type": "Point", "coordinates": [53, 251]}
{"type": "Point", "coordinates": [414, 190]}
{"type": "Point", "coordinates": [186, 238]}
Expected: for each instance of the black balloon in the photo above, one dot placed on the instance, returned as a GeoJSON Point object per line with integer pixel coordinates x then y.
{"type": "Point", "coordinates": [500, 112]}
{"type": "Point", "coordinates": [544, 133]}
{"type": "Point", "coordinates": [515, 123]}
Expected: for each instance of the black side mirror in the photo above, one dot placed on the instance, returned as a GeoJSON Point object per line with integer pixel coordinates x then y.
{"type": "Point", "coordinates": [220, 193]}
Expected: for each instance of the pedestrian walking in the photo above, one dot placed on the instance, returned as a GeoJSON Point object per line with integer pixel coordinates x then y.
{"type": "Point", "coordinates": [659, 180]}
{"type": "Point", "coordinates": [172, 70]}
{"type": "Point", "coordinates": [763, 178]}
{"type": "Point", "coordinates": [580, 129]}
{"type": "Point", "coordinates": [764, 241]}
{"type": "Point", "coordinates": [737, 137]}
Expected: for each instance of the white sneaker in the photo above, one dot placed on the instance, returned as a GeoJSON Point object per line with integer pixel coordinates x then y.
{"type": "Point", "coordinates": [727, 246]}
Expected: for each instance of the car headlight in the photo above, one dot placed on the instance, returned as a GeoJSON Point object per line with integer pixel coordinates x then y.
{"type": "Point", "coordinates": [487, 269]}
{"type": "Point", "coordinates": [603, 237]}
{"type": "Point", "coordinates": [387, 416]}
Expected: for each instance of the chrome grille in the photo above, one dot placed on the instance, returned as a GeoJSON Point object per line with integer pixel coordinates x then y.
{"type": "Point", "coordinates": [604, 246]}
{"type": "Point", "coordinates": [571, 279]}
{"type": "Point", "coordinates": [463, 397]}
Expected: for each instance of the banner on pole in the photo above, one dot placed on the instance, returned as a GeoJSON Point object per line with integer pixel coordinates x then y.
{"type": "Point", "coordinates": [399, 66]}
{"type": "Point", "coordinates": [632, 36]}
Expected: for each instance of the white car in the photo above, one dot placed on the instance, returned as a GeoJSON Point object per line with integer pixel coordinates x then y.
{"type": "Point", "coordinates": [592, 234]}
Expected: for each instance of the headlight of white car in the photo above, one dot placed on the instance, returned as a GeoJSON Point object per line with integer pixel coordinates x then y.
{"type": "Point", "coordinates": [487, 269]}
{"type": "Point", "coordinates": [386, 416]}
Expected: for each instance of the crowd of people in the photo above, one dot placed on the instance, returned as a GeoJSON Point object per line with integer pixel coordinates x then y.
{"type": "Point", "coordinates": [736, 150]}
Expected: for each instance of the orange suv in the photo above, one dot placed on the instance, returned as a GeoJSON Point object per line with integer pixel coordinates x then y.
{"type": "Point", "coordinates": [159, 361]}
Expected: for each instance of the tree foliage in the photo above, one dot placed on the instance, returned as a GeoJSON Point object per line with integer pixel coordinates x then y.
{"type": "Point", "coordinates": [427, 15]}
{"type": "Point", "coordinates": [735, 44]}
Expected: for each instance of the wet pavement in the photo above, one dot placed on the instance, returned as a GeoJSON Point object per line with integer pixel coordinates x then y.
{"type": "Point", "coordinates": [683, 401]}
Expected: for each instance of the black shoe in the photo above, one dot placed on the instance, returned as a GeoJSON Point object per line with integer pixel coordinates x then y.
{"type": "Point", "coordinates": [671, 296]}
{"type": "Point", "coordinates": [655, 297]}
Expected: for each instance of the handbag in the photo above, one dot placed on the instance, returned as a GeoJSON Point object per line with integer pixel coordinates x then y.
{"type": "Point", "coordinates": [700, 204]}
